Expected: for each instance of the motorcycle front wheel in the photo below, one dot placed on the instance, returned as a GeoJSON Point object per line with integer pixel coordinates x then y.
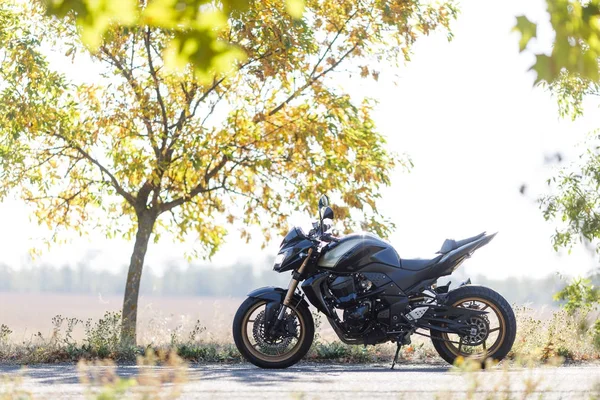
{"type": "Point", "coordinates": [492, 335]}
{"type": "Point", "coordinates": [272, 352]}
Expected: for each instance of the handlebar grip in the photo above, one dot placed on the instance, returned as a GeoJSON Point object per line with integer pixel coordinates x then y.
{"type": "Point", "coordinates": [329, 238]}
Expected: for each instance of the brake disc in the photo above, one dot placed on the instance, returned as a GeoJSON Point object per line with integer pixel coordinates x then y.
{"type": "Point", "coordinates": [279, 344]}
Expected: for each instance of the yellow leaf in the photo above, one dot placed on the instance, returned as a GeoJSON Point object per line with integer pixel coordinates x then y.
{"type": "Point", "coordinates": [295, 8]}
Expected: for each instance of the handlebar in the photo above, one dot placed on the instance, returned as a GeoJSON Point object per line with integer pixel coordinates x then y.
{"type": "Point", "coordinates": [328, 237]}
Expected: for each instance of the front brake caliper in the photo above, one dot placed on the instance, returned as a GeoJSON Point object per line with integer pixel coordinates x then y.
{"type": "Point", "coordinates": [291, 326]}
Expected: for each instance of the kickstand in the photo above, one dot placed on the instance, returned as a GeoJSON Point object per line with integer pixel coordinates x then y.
{"type": "Point", "coordinates": [396, 356]}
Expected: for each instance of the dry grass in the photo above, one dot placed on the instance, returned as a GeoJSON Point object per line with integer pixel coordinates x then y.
{"type": "Point", "coordinates": [101, 381]}
{"type": "Point", "coordinates": [508, 385]}
{"type": "Point", "coordinates": [199, 329]}
{"type": "Point", "coordinates": [11, 389]}
{"type": "Point", "coordinates": [571, 337]}
{"type": "Point", "coordinates": [159, 317]}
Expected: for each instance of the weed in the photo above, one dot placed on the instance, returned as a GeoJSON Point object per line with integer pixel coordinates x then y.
{"type": "Point", "coordinates": [196, 331]}
{"type": "Point", "coordinates": [103, 383]}
{"type": "Point", "coordinates": [10, 389]}
{"type": "Point", "coordinates": [595, 392]}
{"type": "Point", "coordinates": [209, 352]}
{"type": "Point", "coordinates": [596, 335]}
{"type": "Point", "coordinates": [102, 337]}
{"type": "Point", "coordinates": [332, 350]}
{"type": "Point", "coordinates": [5, 333]}
{"type": "Point", "coordinates": [497, 387]}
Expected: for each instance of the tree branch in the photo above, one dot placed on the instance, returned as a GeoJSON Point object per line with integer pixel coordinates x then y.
{"type": "Point", "coordinates": [137, 92]}
{"type": "Point", "coordinates": [199, 188]}
{"type": "Point", "coordinates": [216, 83]}
{"type": "Point", "coordinates": [113, 180]}
{"type": "Point", "coordinates": [328, 49]}
{"type": "Point", "coordinates": [310, 82]}
{"type": "Point", "coordinates": [163, 110]}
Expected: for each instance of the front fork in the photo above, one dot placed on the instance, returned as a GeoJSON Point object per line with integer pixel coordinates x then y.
{"type": "Point", "coordinates": [287, 302]}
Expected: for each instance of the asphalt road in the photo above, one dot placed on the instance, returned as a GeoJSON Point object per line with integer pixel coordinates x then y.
{"type": "Point", "coordinates": [323, 381]}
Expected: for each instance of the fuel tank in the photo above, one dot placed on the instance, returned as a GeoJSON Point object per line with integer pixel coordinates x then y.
{"type": "Point", "coordinates": [356, 251]}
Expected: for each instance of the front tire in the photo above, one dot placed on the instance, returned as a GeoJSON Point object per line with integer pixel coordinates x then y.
{"type": "Point", "coordinates": [496, 345]}
{"type": "Point", "coordinates": [271, 355]}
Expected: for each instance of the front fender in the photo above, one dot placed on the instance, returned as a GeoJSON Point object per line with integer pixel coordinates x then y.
{"type": "Point", "coordinates": [274, 294]}
{"type": "Point", "coordinates": [274, 297]}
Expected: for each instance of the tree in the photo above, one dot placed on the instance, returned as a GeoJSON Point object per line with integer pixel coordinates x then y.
{"type": "Point", "coordinates": [147, 149]}
{"type": "Point", "coordinates": [571, 74]}
{"type": "Point", "coordinates": [575, 201]}
{"type": "Point", "coordinates": [579, 295]}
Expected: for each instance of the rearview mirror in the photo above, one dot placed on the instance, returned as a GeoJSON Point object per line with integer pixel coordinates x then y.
{"type": "Point", "coordinates": [323, 201]}
{"type": "Point", "coordinates": [326, 213]}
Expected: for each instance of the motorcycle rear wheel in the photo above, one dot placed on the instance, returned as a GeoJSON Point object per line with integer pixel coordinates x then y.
{"type": "Point", "coordinates": [500, 325]}
{"type": "Point", "coordinates": [281, 353]}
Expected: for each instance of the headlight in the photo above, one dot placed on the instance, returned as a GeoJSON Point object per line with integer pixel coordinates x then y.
{"type": "Point", "coordinates": [280, 258]}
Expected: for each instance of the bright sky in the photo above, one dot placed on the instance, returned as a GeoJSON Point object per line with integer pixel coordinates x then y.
{"type": "Point", "coordinates": [467, 114]}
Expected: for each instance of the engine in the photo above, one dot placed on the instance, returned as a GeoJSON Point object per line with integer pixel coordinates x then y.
{"type": "Point", "coordinates": [348, 293]}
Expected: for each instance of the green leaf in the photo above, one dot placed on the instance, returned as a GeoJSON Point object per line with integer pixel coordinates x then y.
{"type": "Point", "coordinates": [527, 29]}
{"type": "Point", "coordinates": [543, 67]}
{"type": "Point", "coordinates": [95, 16]}
{"type": "Point", "coordinates": [235, 5]}
{"type": "Point", "coordinates": [203, 51]}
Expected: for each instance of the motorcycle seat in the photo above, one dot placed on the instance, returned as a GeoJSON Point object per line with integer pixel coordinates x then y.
{"type": "Point", "coordinates": [451, 244]}
{"type": "Point", "coordinates": [418, 264]}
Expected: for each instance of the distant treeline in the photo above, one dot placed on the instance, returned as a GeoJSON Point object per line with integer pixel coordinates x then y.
{"type": "Point", "coordinates": [206, 280]}
{"type": "Point", "coordinates": [200, 280]}
{"type": "Point", "coordinates": [520, 290]}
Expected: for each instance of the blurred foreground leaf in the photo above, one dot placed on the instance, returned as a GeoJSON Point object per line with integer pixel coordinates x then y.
{"type": "Point", "coordinates": [576, 46]}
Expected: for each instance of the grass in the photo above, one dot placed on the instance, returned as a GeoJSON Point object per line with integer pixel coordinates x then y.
{"type": "Point", "coordinates": [564, 336]}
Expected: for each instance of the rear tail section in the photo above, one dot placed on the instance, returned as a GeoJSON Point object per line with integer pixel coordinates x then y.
{"type": "Point", "coordinates": [468, 249]}
{"type": "Point", "coordinates": [452, 259]}
{"type": "Point", "coordinates": [486, 239]}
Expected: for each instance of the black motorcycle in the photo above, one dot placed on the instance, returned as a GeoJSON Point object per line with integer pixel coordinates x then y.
{"type": "Point", "coordinates": [370, 295]}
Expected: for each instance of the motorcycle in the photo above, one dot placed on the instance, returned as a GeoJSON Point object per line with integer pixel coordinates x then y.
{"type": "Point", "coordinates": [370, 295]}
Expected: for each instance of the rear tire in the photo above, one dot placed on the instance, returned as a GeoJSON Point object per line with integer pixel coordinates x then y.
{"type": "Point", "coordinates": [498, 305]}
{"type": "Point", "coordinates": [242, 342]}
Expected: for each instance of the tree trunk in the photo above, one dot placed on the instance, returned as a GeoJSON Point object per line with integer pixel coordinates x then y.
{"type": "Point", "coordinates": [132, 289]}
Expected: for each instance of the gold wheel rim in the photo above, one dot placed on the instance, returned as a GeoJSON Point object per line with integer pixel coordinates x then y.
{"type": "Point", "coordinates": [265, 357]}
{"type": "Point", "coordinates": [497, 343]}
